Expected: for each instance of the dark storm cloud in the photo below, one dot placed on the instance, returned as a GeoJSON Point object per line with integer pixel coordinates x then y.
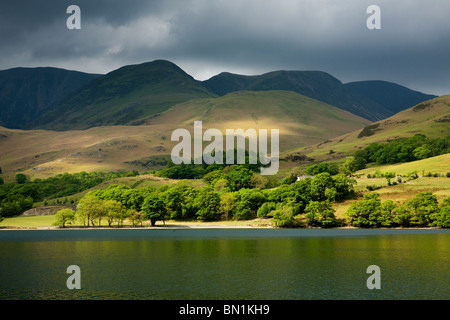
{"type": "Point", "coordinates": [205, 37]}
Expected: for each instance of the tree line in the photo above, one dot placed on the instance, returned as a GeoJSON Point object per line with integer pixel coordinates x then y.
{"type": "Point", "coordinates": [421, 211]}
{"type": "Point", "coordinates": [237, 193]}
{"type": "Point", "coordinates": [400, 150]}
{"type": "Point", "coordinates": [19, 196]}
{"type": "Point", "coordinates": [230, 194]}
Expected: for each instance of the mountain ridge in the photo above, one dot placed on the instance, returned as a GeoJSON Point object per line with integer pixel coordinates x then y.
{"type": "Point", "coordinates": [355, 97]}
{"type": "Point", "coordinates": [25, 93]}
{"type": "Point", "coordinates": [132, 94]}
{"type": "Point", "coordinates": [124, 96]}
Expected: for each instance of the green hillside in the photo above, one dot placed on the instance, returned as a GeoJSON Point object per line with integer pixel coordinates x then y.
{"type": "Point", "coordinates": [124, 96]}
{"type": "Point", "coordinates": [301, 120]}
{"type": "Point", "coordinates": [430, 118]}
{"type": "Point", "coordinates": [373, 100]}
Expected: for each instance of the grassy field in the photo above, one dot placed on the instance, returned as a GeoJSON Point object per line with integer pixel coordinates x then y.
{"type": "Point", "coordinates": [439, 164]}
{"type": "Point", "coordinates": [402, 192]}
{"type": "Point", "coordinates": [399, 193]}
{"type": "Point", "coordinates": [28, 222]}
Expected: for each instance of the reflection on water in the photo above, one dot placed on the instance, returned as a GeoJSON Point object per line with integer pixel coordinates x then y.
{"type": "Point", "coordinates": [219, 264]}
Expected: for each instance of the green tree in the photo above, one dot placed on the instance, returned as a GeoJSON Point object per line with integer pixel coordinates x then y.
{"type": "Point", "coordinates": [284, 217]}
{"type": "Point", "coordinates": [154, 209]}
{"type": "Point", "coordinates": [88, 209]}
{"type": "Point", "coordinates": [365, 213]}
{"type": "Point", "coordinates": [424, 208]}
{"type": "Point", "coordinates": [114, 211]}
{"type": "Point", "coordinates": [15, 204]}
{"type": "Point", "coordinates": [315, 169]}
{"type": "Point", "coordinates": [63, 217]}
{"type": "Point", "coordinates": [259, 181]}
{"type": "Point", "coordinates": [247, 203]}
{"type": "Point", "coordinates": [401, 216]}
{"type": "Point", "coordinates": [208, 204]}
{"type": "Point", "coordinates": [133, 198]}
{"type": "Point", "coordinates": [174, 197]}
{"type": "Point", "coordinates": [189, 208]}
{"type": "Point", "coordinates": [266, 209]}
{"type": "Point", "coordinates": [21, 178]}
{"type": "Point", "coordinates": [221, 185]}
{"type": "Point", "coordinates": [136, 217]}
{"type": "Point", "coordinates": [239, 177]}
{"type": "Point", "coordinates": [422, 152]}
{"type": "Point", "coordinates": [386, 218]}
{"type": "Point", "coordinates": [1, 181]}
{"type": "Point", "coordinates": [320, 214]}
{"type": "Point", "coordinates": [319, 185]}
{"type": "Point", "coordinates": [212, 176]}
{"type": "Point", "coordinates": [344, 186]}
{"type": "Point", "coordinates": [443, 217]}
{"type": "Point", "coordinates": [227, 204]}
{"type": "Point", "coordinates": [353, 164]}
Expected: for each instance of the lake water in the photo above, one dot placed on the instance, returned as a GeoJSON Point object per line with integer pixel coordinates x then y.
{"type": "Point", "coordinates": [233, 264]}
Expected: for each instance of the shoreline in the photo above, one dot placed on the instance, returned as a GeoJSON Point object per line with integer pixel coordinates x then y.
{"type": "Point", "coordinates": [200, 227]}
{"type": "Point", "coordinates": [171, 224]}
{"type": "Point", "coordinates": [258, 223]}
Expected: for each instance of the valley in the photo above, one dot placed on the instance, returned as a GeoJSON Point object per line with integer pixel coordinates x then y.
{"type": "Point", "coordinates": [123, 122]}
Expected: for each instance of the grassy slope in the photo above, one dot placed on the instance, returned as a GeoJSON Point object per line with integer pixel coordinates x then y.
{"type": "Point", "coordinates": [439, 164]}
{"type": "Point", "coordinates": [427, 118]}
{"type": "Point", "coordinates": [402, 192]}
{"type": "Point", "coordinates": [301, 120]}
{"type": "Point", "coordinates": [42, 153]}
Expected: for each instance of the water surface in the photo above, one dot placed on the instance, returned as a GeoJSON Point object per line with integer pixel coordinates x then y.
{"type": "Point", "coordinates": [225, 263]}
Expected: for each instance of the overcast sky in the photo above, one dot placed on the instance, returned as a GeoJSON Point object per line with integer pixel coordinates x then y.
{"type": "Point", "coordinates": [206, 37]}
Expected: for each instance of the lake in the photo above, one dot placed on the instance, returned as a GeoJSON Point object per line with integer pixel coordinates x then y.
{"type": "Point", "coordinates": [232, 264]}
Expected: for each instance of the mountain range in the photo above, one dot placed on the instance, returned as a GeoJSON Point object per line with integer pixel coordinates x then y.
{"type": "Point", "coordinates": [57, 99]}
{"type": "Point", "coordinates": [373, 100]}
